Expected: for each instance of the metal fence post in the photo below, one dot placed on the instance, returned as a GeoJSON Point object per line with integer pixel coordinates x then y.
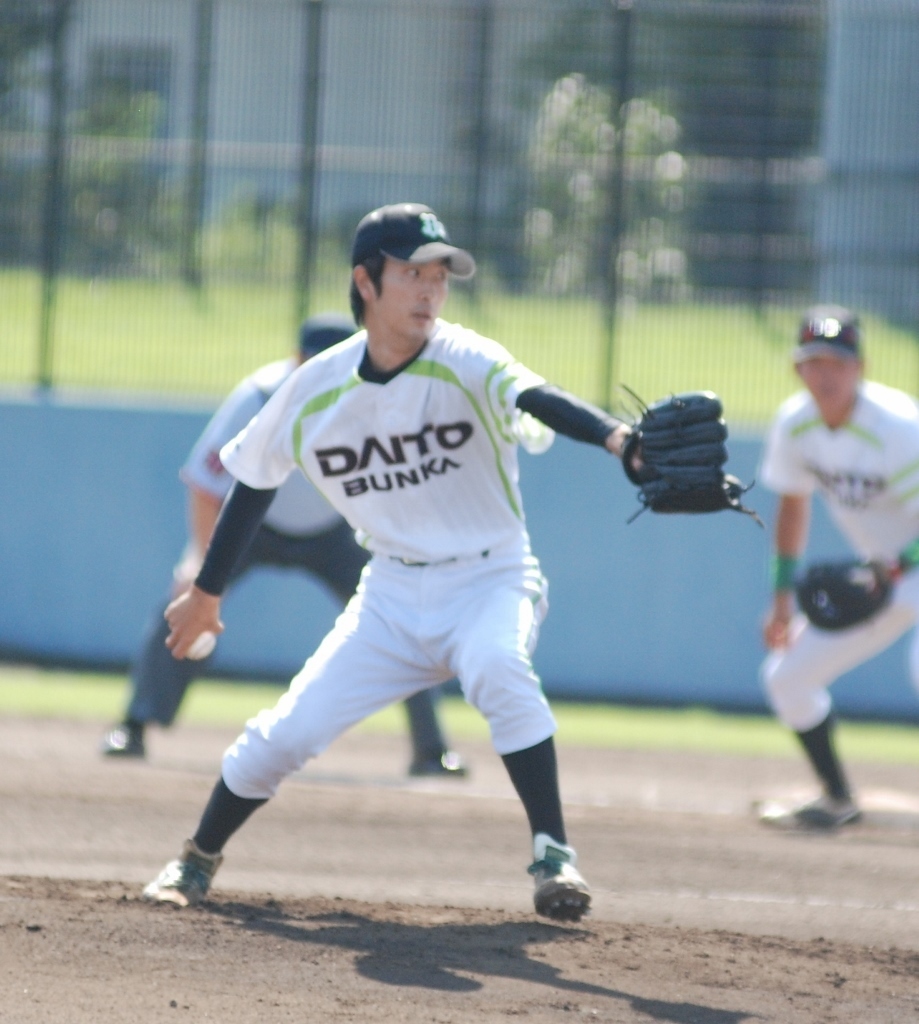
{"type": "Point", "coordinates": [611, 243]}
{"type": "Point", "coordinates": [767, 48]}
{"type": "Point", "coordinates": [196, 182]}
{"type": "Point", "coordinates": [52, 239]}
{"type": "Point", "coordinates": [485, 16]}
{"type": "Point", "coordinates": [307, 216]}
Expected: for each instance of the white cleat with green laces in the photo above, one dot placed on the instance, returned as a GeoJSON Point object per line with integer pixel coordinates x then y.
{"type": "Point", "coordinates": [561, 892]}
{"type": "Point", "coordinates": [185, 881]}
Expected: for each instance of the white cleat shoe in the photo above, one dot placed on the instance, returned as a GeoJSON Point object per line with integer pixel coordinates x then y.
{"type": "Point", "coordinates": [561, 892]}
{"type": "Point", "coordinates": [825, 814]}
{"type": "Point", "coordinates": [185, 881]}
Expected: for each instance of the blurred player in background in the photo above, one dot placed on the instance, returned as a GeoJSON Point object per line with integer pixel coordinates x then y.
{"type": "Point", "coordinates": [300, 531]}
{"type": "Point", "coordinates": [856, 443]}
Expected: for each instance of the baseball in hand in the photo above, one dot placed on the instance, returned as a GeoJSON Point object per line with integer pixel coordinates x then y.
{"type": "Point", "coordinates": [202, 647]}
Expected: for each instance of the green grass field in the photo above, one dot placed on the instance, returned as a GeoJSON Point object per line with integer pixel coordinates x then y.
{"type": "Point", "coordinates": [31, 692]}
{"type": "Point", "coordinates": [162, 338]}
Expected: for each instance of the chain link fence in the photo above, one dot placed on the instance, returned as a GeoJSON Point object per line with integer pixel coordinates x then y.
{"type": "Point", "coordinates": [653, 188]}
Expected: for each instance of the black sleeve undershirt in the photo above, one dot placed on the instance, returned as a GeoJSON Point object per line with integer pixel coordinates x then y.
{"type": "Point", "coordinates": [236, 527]}
{"type": "Point", "coordinates": [567, 414]}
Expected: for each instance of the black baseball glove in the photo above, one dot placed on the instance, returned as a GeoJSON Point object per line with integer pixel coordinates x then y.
{"type": "Point", "coordinates": [836, 595]}
{"type": "Point", "coordinates": [676, 455]}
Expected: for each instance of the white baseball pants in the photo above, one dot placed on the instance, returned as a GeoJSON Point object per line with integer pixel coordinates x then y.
{"type": "Point", "coordinates": [797, 679]}
{"type": "Point", "coordinates": [406, 629]}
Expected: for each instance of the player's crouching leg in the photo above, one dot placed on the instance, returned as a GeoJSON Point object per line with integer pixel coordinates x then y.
{"type": "Point", "coordinates": [522, 726]}
{"type": "Point", "coordinates": [499, 680]}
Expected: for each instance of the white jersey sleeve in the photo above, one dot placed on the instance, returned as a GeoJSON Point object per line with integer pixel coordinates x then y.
{"type": "Point", "coordinates": [261, 455]}
{"type": "Point", "coordinates": [504, 379]}
{"type": "Point", "coordinates": [203, 468]}
{"type": "Point", "coordinates": [903, 451]}
{"type": "Point", "coordinates": [298, 508]}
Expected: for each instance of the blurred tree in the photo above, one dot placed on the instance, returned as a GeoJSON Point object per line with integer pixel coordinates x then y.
{"type": "Point", "coordinates": [122, 210]}
{"type": "Point", "coordinates": [571, 161]}
{"type": "Point", "coordinates": [743, 84]}
{"type": "Point", "coordinates": [23, 27]}
{"type": "Point", "coordinates": [748, 90]}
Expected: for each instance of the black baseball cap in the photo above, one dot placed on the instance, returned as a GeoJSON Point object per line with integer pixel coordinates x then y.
{"type": "Point", "coordinates": [409, 232]}
{"type": "Point", "coordinates": [828, 330]}
{"type": "Point", "coordinates": [322, 331]}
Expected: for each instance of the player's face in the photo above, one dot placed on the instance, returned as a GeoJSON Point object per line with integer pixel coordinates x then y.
{"type": "Point", "coordinates": [833, 382]}
{"type": "Point", "coordinates": [410, 300]}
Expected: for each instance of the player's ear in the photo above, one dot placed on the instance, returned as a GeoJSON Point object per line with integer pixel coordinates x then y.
{"type": "Point", "coordinates": [362, 282]}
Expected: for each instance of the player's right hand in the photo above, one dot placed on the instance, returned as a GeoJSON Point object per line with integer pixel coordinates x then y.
{"type": "Point", "coordinates": [189, 615]}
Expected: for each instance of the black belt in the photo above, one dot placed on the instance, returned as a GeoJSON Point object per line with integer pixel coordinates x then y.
{"type": "Point", "coordinates": [419, 565]}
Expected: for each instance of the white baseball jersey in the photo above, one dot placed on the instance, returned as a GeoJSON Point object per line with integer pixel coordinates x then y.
{"type": "Point", "coordinates": [424, 467]}
{"type": "Point", "coordinates": [867, 470]}
{"type": "Point", "coordinates": [298, 508]}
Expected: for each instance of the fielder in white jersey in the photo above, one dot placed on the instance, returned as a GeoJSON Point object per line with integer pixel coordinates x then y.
{"type": "Point", "coordinates": [410, 429]}
{"type": "Point", "coordinates": [856, 443]}
{"type": "Point", "coordinates": [300, 531]}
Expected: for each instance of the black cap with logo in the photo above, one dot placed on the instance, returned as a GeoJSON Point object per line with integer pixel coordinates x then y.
{"type": "Point", "coordinates": [828, 330]}
{"type": "Point", "coordinates": [409, 232]}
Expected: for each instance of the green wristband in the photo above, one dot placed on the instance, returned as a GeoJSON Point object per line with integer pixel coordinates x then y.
{"type": "Point", "coordinates": [783, 572]}
{"type": "Point", "coordinates": [909, 556]}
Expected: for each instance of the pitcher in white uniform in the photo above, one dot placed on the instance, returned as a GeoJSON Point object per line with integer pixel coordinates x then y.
{"type": "Point", "coordinates": [410, 429]}
{"type": "Point", "coordinates": [856, 443]}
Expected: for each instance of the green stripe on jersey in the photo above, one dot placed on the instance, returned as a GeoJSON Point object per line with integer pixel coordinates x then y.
{"type": "Point", "coordinates": [428, 368]}
{"type": "Point", "coordinates": [317, 404]}
{"type": "Point", "coordinates": [502, 416]}
{"type": "Point", "coordinates": [852, 428]}
{"type": "Point", "coordinates": [495, 413]}
{"type": "Point", "coordinates": [802, 428]}
{"type": "Point", "coordinates": [864, 435]}
{"type": "Point", "coordinates": [903, 473]}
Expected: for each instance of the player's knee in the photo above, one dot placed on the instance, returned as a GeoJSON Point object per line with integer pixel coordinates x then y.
{"type": "Point", "coordinates": [798, 704]}
{"type": "Point", "coordinates": [778, 677]}
{"type": "Point", "coordinates": [781, 687]}
{"type": "Point", "coordinates": [489, 666]}
{"type": "Point", "coordinates": [268, 751]}
{"type": "Point", "coordinates": [768, 675]}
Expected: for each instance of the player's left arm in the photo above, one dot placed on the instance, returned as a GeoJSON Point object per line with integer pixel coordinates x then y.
{"type": "Point", "coordinates": [792, 523]}
{"type": "Point", "coordinates": [572, 417]}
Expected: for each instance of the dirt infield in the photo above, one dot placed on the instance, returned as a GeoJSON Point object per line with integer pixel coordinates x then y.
{"type": "Point", "coordinates": [359, 894]}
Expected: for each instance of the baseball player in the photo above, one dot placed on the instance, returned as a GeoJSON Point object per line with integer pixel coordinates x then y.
{"type": "Point", "coordinates": [856, 443]}
{"type": "Point", "coordinates": [300, 530]}
{"type": "Point", "coordinates": [410, 429]}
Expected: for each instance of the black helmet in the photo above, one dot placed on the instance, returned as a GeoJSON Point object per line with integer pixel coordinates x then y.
{"type": "Point", "coordinates": [322, 331]}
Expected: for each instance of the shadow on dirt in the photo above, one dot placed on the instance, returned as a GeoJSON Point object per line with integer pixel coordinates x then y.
{"type": "Point", "coordinates": [455, 957]}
